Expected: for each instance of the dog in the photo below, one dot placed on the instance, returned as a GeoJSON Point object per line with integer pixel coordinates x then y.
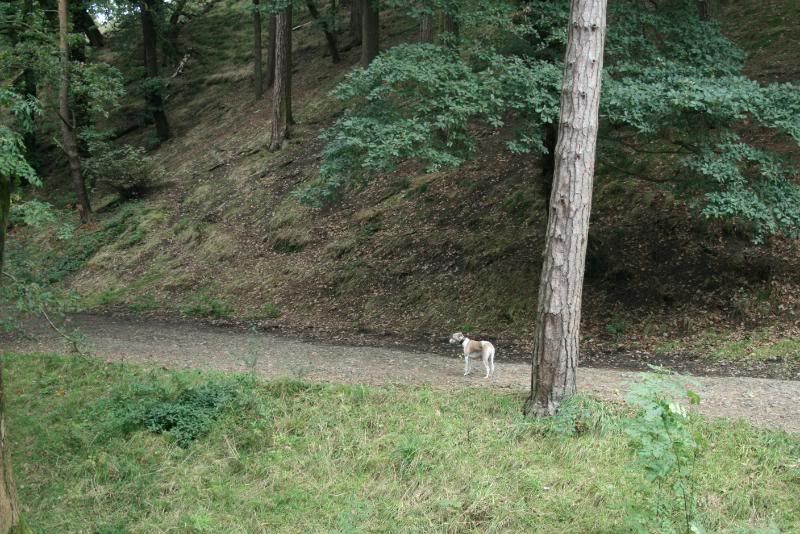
{"type": "Point", "coordinates": [473, 349]}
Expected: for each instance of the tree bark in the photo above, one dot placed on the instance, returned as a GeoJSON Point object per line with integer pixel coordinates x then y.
{"type": "Point", "coordinates": [271, 51]}
{"type": "Point", "coordinates": [169, 43]}
{"type": "Point", "coordinates": [289, 114]}
{"type": "Point", "coordinates": [153, 99]}
{"type": "Point", "coordinates": [370, 31]}
{"type": "Point", "coordinates": [280, 123]}
{"type": "Point", "coordinates": [330, 33]}
{"type": "Point", "coordinates": [450, 24]}
{"type": "Point", "coordinates": [5, 207]}
{"type": "Point", "coordinates": [69, 139]}
{"type": "Point", "coordinates": [426, 28]}
{"type": "Point", "coordinates": [558, 316]}
{"type": "Point", "coordinates": [258, 73]}
{"type": "Point", "coordinates": [355, 22]}
{"type": "Point", "coordinates": [704, 9]}
{"type": "Point", "coordinates": [84, 23]}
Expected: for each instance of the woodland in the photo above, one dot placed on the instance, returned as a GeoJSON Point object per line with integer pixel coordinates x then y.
{"type": "Point", "coordinates": [266, 188]}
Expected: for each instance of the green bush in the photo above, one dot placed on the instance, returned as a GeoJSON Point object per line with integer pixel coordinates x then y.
{"type": "Point", "coordinates": [126, 170]}
{"type": "Point", "coordinates": [184, 415]}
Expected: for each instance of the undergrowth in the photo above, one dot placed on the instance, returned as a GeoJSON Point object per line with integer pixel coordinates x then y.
{"type": "Point", "coordinates": [95, 449]}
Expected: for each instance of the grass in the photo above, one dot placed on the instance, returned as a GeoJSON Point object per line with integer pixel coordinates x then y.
{"type": "Point", "coordinates": [755, 345]}
{"type": "Point", "coordinates": [287, 456]}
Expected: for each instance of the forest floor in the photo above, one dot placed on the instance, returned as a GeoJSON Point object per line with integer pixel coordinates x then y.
{"type": "Point", "coordinates": [181, 344]}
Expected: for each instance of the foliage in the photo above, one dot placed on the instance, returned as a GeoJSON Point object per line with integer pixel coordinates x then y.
{"type": "Point", "coordinates": [184, 412]}
{"type": "Point", "coordinates": [419, 101]}
{"type": "Point", "coordinates": [125, 169]}
{"type": "Point", "coordinates": [24, 110]}
{"type": "Point", "coordinates": [293, 456]}
{"type": "Point", "coordinates": [666, 449]}
{"type": "Point", "coordinates": [673, 108]}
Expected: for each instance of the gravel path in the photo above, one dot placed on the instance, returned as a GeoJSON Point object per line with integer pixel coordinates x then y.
{"type": "Point", "coordinates": [764, 402]}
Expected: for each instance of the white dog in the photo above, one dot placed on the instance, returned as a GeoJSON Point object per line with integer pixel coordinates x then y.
{"type": "Point", "coordinates": [473, 349]}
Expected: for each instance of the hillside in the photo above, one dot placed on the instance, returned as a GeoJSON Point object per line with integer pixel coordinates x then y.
{"type": "Point", "coordinates": [414, 256]}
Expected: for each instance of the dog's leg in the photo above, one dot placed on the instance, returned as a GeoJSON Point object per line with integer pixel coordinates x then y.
{"type": "Point", "coordinates": [486, 365]}
{"type": "Point", "coordinates": [491, 362]}
{"type": "Point", "coordinates": [466, 364]}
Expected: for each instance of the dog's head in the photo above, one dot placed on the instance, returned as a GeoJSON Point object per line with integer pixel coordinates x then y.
{"type": "Point", "coordinates": [458, 337]}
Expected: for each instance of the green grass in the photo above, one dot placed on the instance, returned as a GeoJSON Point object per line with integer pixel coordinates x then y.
{"type": "Point", "coordinates": [756, 345]}
{"type": "Point", "coordinates": [286, 456]}
{"type": "Point", "coordinates": [205, 306]}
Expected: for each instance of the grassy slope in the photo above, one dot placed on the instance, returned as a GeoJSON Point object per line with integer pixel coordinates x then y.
{"type": "Point", "coordinates": [291, 457]}
{"type": "Point", "coordinates": [417, 255]}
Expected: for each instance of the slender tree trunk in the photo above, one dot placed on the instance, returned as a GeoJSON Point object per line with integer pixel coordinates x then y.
{"type": "Point", "coordinates": [330, 33]}
{"type": "Point", "coordinates": [370, 31]}
{"type": "Point", "coordinates": [271, 51]}
{"type": "Point", "coordinates": [558, 316]}
{"type": "Point", "coordinates": [67, 119]}
{"type": "Point", "coordinates": [450, 24]}
{"type": "Point", "coordinates": [280, 124]}
{"type": "Point", "coordinates": [426, 28]}
{"type": "Point", "coordinates": [153, 92]}
{"type": "Point", "coordinates": [169, 45]}
{"type": "Point", "coordinates": [5, 207]}
{"type": "Point", "coordinates": [258, 74]}
{"type": "Point", "coordinates": [704, 9]}
{"type": "Point", "coordinates": [289, 66]}
{"type": "Point", "coordinates": [355, 22]}
{"type": "Point", "coordinates": [9, 509]}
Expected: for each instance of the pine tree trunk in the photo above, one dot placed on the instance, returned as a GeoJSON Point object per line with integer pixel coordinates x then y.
{"type": "Point", "coordinates": [370, 31]}
{"type": "Point", "coordinates": [355, 22]}
{"type": "Point", "coordinates": [280, 125]}
{"type": "Point", "coordinates": [258, 74]}
{"type": "Point", "coordinates": [271, 51]}
{"type": "Point", "coordinates": [330, 33]}
{"type": "Point", "coordinates": [558, 316]}
{"type": "Point", "coordinates": [153, 98]}
{"type": "Point", "coordinates": [426, 28]}
{"type": "Point", "coordinates": [69, 140]}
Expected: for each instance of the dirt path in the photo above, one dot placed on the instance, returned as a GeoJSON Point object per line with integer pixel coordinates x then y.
{"type": "Point", "coordinates": [764, 402]}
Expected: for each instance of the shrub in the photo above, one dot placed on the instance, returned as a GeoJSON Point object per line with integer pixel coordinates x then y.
{"type": "Point", "coordinates": [126, 170]}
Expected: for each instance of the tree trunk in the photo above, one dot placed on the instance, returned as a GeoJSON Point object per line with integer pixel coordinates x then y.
{"type": "Point", "coordinates": [153, 91]}
{"type": "Point", "coordinates": [5, 207]}
{"type": "Point", "coordinates": [68, 138]}
{"type": "Point", "coordinates": [355, 22]}
{"type": "Point", "coordinates": [258, 74]}
{"type": "Point", "coordinates": [450, 25]}
{"type": "Point", "coordinates": [271, 51]}
{"type": "Point", "coordinates": [289, 114]}
{"type": "Point", "coordinates": [84, 23]}
{"type": "Point", "coordinates": [370, 28]}
{"type": "Point", "coordinates": [558, 315]}
{"type": "Point", "coordinates": [330, 33]}
{"type": "Point", "coordinates": [704, 9]}
{"type": "Point", "coordinates": [426, 28]}
{"type": "Point", "coordinates": [280, 124]}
